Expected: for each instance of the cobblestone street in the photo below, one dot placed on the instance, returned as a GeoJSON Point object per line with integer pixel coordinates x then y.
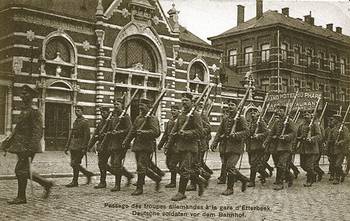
{"type": "Point", "coordinates": [323, 201]}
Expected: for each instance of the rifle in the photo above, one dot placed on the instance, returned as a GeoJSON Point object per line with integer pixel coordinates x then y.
{"type": "Point", "coordinates": [120, 117]}
{"type": "Point", "coordinates": [322, 114]}
{"type": "Point", "coordinates": [95, 137]}
{"type": "Point", "coordinates": [210, 109]}
{"type": "Point", "coordinates": [288, 111]}
{"type": "Point", "coordinates": [239, 110]}
{"type": "Point", "coordinates": [342, 124]}
{"type": "Point", "coordinates": [149, 114]}
{"type": "Point", "coordinates": [296, 116]}
{"type": "Point", "coordinates": [206, 99]}
{"type": "Point", "coordinates": [270, 121]}
{"type": "Point", "coordinates": [261, 115]}
{"type": "Point", "coordinates": [193, 109]}
{"type": "Point", "coordinates": [267, 107]}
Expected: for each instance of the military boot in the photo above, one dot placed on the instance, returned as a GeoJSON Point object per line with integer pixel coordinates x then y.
{"type": "Point", "coordinates": [44, 183]}
{"type": "Point", "coordinates": [21, 193]}
{"type": "Point", "coordinates": [251, 182]}
{"type": "Point", "coordinates": [230, 183]}
{"type": "Point", "coordinates": [102, 183]}
{"type": "Point", "coordinates": [155, 177]}
{"type": "Point", "coordinates": [172, 183]}
{"type": "Point", "coordinates": [279, 180]}
{"type": "Point", "coordinates": [308, 181]}
{"type": "Point", "coordinates": [74, 182]}
{"type": "Point", "coordinates": [139, 186]}
{"type": "Point", "coordinates": [182, 188]}
{"type": "Point", "coordinates": [87, 173]}
{"type": "Point", "coordinates": [244, 180]}
{"type": "Point", "coordinates": [117, 183]}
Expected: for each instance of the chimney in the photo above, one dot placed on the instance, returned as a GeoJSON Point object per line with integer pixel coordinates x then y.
{"type": "Point", "coordinates": [329, 26]}
{"type": "Point", "coordinates": [240, 14]}
{"type": "Point", "coordinates": [338, 30]}
{"type": "Point", "coordinates": [259, 9]}
{"type": "Point", "coordinates": [309, 19]}
{"type": "Point", "coordinates": [285, 11]}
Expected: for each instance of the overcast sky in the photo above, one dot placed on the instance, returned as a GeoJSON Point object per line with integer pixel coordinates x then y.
{"type": "Point", "coordinates": [207, 18]}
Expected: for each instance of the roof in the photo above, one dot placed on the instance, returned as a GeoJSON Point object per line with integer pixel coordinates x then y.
{"type": "Point", "coordinates": [270, 18]}
{"type": "Point", "coordinates": [76, 8]}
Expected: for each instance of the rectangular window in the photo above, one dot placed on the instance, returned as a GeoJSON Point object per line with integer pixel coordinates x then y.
{"type": "Point", "coordinates": [265, 52]}
{"type": "Point", "coordinates": [342, 66]}
{"type": "Point", "coordinates": [321, 60]}
{"type": "Point", "coordinates": [309, 57]}
{"type": "Point", "coordinates": [333, 93]}
{"type": "Point", "coordinates": [3, 91]}
{"type": "Point", "coordinates": [284, 86]}
{"type": "Point", "coordinates": [332, 63]}
{"type": "Point", "coordinates": [248, 56]}
{"type": "Point", "coordinates": [342, 94]}
{"type": "Point", "coordinates": [232, 57]}
{"type": "Point", "coordinates": [309, 86]}
{"type": "Point", "coordinates": [297, 55]}
{"type": "Point", "coordinates": [321, 87]}
{"type": "Point", "coordinates": [284, 51]}
{"type": "Point", "coordinates": [265, 84]}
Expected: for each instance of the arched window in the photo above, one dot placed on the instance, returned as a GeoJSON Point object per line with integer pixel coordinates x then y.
{"type": "Point", "coordinates": [197, 72]}
{"type": "Point", "coordinates": [136, 53]}
{"type": "Point", "coordinates": [58, 45]}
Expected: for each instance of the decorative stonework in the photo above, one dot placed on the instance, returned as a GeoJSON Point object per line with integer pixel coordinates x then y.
{"type": "Point", "coordinates": [155, 20]}
{"type": "Point", "coordinates": [125, 13]}
{"type": "Point", "coordinates": [86, 45]}
{"type": "Point", "coordinates": [30, 35]}
{"type": "Point", "coordinates": [100, 37]}
{"type": "Point", "coordinates": [214, 67]}
{"type": "Point", "coordinates": [17, 64]}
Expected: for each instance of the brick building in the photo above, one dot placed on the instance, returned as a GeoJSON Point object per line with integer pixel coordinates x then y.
{"type": "Point", "coordinates": [87, 52]}
{"type": "Point", "coordinates": [284, 54]}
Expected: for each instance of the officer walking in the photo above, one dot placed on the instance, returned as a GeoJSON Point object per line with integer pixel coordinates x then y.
{"type": "Point", "coordinates": [25, 143]}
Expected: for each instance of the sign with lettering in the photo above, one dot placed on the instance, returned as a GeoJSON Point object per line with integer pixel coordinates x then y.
{"type": "Point", "coordinates": [304, 101]}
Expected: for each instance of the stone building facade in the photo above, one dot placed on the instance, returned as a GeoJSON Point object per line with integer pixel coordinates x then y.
{"type": "Point", "coordinates": [88, 52]}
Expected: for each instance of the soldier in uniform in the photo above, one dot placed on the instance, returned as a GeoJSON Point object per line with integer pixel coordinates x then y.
{"type": "Point", "coordinates": [232, 146]}
{"type": "Point", "coordinates": [77, 145]}
{"type": "Point", "coordinates": [308, 140]}
{"type": "Point", "coordinates": [280, 146]}
{"type": "Point", "coordinates": [257, 135]}
{"type": "Point", "coordinates": [25, 143]}
{"type": "Point", "coordinates": [222, 178]}
{"type": "Point", "coordinates": [330, 155]}
{"type": "Point", "coordinates": [337, 144]}
{"type": "Point", "coordinates": [186, 142]}
{"type": "Point", "coordinates": [321, 146]}
{"type": "Point", "coordinates": [103, 153]}
{"type": "Point", "coordinates": [144, 145]}
{"type": "Point", "coordinates": [172, 153]}
{"type": "Point", "coordinates": [203, 145]}
{"type": "Point", "coordinates": [119, 128]}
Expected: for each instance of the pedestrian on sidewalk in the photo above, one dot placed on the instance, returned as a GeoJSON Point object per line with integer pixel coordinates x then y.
{"type": "Point", "coordinates": [77, 145]}
{"type": "Point", "coordinates": [25, 143]}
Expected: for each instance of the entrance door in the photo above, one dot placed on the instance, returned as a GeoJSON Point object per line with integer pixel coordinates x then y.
{"type": "Point", "coordinates": [57, 121]}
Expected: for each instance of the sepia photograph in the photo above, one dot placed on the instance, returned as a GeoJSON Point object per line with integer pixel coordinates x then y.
{"type": "Point", "coordinates": [174, 110]}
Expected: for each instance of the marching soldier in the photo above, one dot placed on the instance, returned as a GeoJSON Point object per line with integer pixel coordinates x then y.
{"type": "Point", "coordinates": [186, 142]}
{"type": "Point", "coordinates": [103, 153]}
{"type": "Point", "coordinates": [330, 155]}
{"type": "Point", "coordinates": [77, 145]}
{"type": "Point", "coordinates": [337, 144]}
{"type": "Point", "coordinates": [232, 146]}
{"type": "Point", "coordinates": [25, 143]}
{"type": "Point", "coordinates": [144, 145]}
{"type": "Point", "coordinates": [222, 178]}
{"type": "Point", "coordinates": [257, 134]}
{"type": "Point", "coordinates": [203, 146]}
{"type": "Point", "coordinates": [172, 153]}
{"type": "Point", "coordinates": [119, 128]}
{"type": "Point", "coordinates": [321, 145]}
{"type": "Point", "coordinates": [280, 146]}
{"type": "Point", "coordinates": [308, 140]}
